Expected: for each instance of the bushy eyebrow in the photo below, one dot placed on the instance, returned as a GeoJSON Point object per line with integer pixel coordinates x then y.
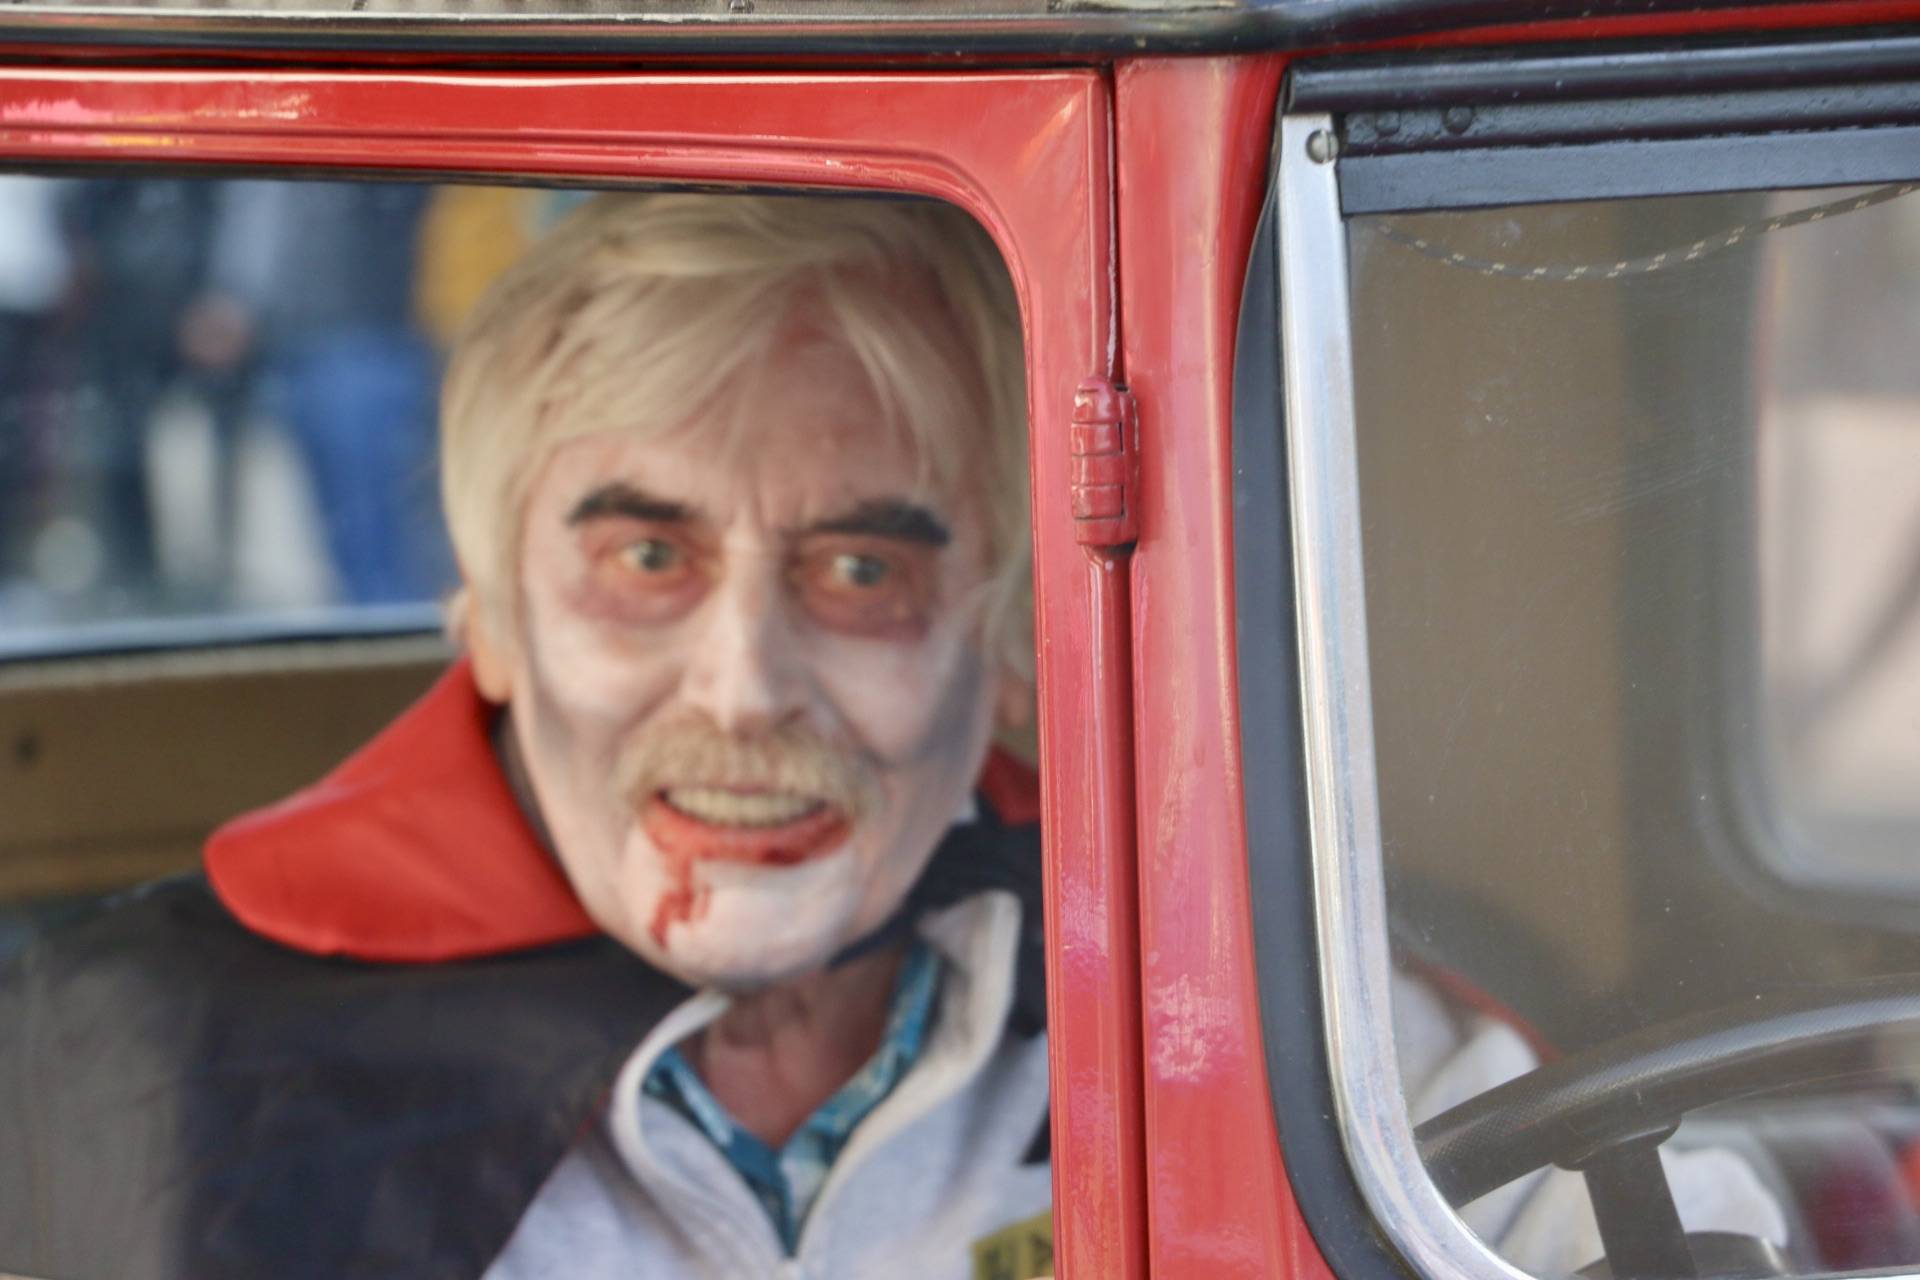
{"type": "Point", "coordinates": [887, 518]}
{"type": "Point", "coordinates": [620, 499]}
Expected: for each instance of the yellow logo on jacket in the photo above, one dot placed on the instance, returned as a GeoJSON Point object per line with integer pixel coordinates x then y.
{"type": "Point", "coordinates": [1023, 1251]}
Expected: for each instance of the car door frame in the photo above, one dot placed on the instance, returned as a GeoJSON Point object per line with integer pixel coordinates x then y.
{"type": "Point", "coordinates": [1033, 166]}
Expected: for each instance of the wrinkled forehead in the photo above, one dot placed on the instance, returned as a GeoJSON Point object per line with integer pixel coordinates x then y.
{"type": "Point", "coordinates": [804, 431]}
{"type": "Point", "coordinates": [801, 440]}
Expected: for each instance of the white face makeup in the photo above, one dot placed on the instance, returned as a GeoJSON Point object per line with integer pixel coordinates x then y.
{"type": "Point", "coordinates": [750, 691]}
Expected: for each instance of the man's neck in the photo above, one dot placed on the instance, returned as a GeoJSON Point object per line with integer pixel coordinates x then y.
{"type": "Point", "coordinates": [776, 1054]}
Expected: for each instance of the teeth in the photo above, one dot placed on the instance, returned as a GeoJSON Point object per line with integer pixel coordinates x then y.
{"type": "Point", "coordinates": [740, 808]}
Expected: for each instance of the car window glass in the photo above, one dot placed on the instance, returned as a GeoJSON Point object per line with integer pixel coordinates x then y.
{"type": "Point", "coordinates": [217, 423]}
{"type": "Point", "coordinates": [1640, 497]}
{"type": "Point", "coordinates": [217, 399]}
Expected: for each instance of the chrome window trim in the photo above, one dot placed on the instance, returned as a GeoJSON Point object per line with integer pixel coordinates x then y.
{"type": "Point", "coordinates": [1349, 880]}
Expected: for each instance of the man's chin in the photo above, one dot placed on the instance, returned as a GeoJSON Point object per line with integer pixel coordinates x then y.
{"type": "Point", "coordinates": [747, 926]}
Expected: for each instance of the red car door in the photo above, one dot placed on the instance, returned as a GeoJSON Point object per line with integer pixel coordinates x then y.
{"type": "Point", "coordinates": [1033, 166]}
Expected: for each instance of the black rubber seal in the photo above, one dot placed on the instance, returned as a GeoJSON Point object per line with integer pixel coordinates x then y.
{"type": "Point", "coordinates": [1464, 131]}
{"type": "Point", "coordinates": [1373, 82]}
{"type": "Point", "coordinates": [1632, 168]}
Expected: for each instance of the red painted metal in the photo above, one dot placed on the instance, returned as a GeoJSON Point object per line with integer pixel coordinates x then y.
{"type": "Point", "coordinates": [1193, 139]}
{"type": "Point", "coordinates": [1106, 465]}
{"type": "Point", "coordinates": [1032, 163]}
{"type": "Point", "coordinates": [1102, 923]}
{"type": "Point", "coordinates": [1105, 474]}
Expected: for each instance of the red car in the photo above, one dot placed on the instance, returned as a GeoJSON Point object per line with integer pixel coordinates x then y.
{"type": "Point", "coordinates": [1476, 504]}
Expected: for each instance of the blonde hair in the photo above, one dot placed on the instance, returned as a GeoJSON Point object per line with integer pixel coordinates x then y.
{"type": "Point", "coordinates": [640, 309]}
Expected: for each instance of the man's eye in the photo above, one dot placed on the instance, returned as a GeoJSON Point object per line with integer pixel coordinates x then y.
{"type": "Point", "coordinates": [855, 570]}
{"type": "Point", "coordinates": [863, 590]}
{"type": "Point", "coordinates": [650, 555]}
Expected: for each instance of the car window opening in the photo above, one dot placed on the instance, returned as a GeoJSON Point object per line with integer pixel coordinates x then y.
{"type": "Point", "coordinates": [713, 844]}
{"type": "Point", "coordinates": [1641, 648]}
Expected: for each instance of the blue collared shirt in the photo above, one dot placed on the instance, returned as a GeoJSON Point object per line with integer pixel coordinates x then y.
{"type": "Point", "coordinates": [787, 1181]}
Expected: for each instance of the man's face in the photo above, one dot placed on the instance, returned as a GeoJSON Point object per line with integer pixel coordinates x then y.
{"type": "Point", "coordinates": [750, 691]}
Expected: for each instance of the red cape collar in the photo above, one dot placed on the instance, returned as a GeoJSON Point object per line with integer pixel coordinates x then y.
{"type": "Point", "coordinates": [414, 849]}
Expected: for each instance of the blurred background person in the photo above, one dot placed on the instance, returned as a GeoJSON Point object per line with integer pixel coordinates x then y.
{"type": "Point", "coordinates": [315, 282]}
{"type": "Point", "coordinates": [142, 248]}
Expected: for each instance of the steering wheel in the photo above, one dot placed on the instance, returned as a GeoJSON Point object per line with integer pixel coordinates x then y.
{"type": "Point", "coordinates": [1605, 1111]}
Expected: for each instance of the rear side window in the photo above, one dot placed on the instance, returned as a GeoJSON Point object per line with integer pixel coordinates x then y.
{"type": "Point", "coordinates": [1605, 494]}
{"type": "Point", "coordinates": [219, 400]}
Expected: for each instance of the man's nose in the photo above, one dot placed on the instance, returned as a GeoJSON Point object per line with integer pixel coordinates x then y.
{"type": "Point", "coordinates": [745, 671]}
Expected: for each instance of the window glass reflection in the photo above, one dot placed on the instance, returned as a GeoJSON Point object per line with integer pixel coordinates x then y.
{"type": "Point", "coordinates": [1640, 486]}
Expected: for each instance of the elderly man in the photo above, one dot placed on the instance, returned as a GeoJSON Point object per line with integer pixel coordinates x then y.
{"type": "Point", "coordinates": [689, 925]}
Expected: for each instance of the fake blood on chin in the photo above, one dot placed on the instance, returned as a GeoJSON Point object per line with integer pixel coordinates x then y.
{"type": "Point", "coordinates": [684, 840]}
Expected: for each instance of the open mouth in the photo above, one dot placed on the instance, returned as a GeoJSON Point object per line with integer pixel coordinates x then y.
{"type": "Point", "coordinates": [772, 828]}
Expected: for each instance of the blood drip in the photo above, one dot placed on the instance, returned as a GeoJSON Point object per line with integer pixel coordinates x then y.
{"type": "Point", "coordinates": [684, 840]}
{"type": "Point", "coordinates": [677, 903]}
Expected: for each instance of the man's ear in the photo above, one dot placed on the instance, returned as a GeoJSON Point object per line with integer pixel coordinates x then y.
{"type": "Point", "coordinates": [492, 654]}
{"type": "Point", "coordinates": [1013, 704]}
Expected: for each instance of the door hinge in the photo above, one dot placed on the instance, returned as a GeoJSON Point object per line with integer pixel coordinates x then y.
{"type": "Point", "coordinates": [1105, 445]}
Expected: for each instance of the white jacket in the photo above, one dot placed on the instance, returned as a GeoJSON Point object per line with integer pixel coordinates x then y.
{"type": "Point", "coordinates": [935, 1168]}
{"type": "Point", "coordinates": [938, 1165]}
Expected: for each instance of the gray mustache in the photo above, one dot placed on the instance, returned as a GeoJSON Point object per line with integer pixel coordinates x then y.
{"type": "Point", "coordinates": [793, 758]}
